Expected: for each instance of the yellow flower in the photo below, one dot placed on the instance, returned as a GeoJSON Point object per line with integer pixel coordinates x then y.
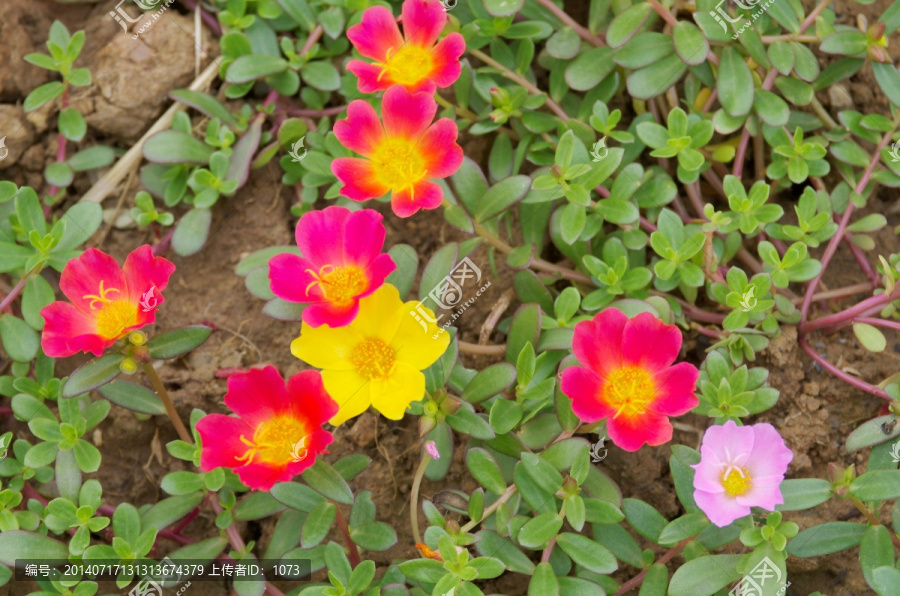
{"type": "Point", "coordinates": [377, 359]}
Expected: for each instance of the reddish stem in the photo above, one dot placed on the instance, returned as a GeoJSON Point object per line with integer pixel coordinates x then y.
{"type": "Point", "coordinates": [13, 294]}
{"type": "Point", "coordinates": [745, 136]}
{"type": "Point", "coordinates": [888, 324]}
{"type": "Point", "coordinates": [875, 303]}
{"type": "Point", "coordinates": [848, 378]}
{"type": "Point", "coordinates": [860, 257]}
{"type": "Point", "coordinates": [345, 531]}
{"type": "Point", "coordinates": [639, 578]}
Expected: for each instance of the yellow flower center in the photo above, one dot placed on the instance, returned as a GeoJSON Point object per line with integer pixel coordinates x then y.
{"type": "Point", "coordinates": [408, 66]}
{"type": "Point", "coordinates": [373, 358]}
{"type": "Point", "coordinates": [115, 315]}
{"type": "Point", "coordinates": [278, 441]}
{"type": "Point", "coordinates": [339, 284]}
{"type": "Point", "coordinates": [736, 480]}
{"type": "Point", "coordinates": [629, 389]}
{"type": "Point", "coordinates": [398, 163]}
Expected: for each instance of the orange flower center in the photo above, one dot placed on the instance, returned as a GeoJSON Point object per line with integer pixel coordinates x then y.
{"type": "Point", "coordinates": [398, 163]}
{"type": "Point", "coordinates": [408, 66]}
{"type": "Point", "coordinates": [736, 480]}
{"type": "Point", "coordinates": [115, 315]}
{"type": "Point", "coordinates": [629, 389]}
{"type": "Point", "coordinates": [373, 358]}
{"type": "Point", "coordinates": [339, 284]}
{"type": "Point", "coordinates": [278, 441]}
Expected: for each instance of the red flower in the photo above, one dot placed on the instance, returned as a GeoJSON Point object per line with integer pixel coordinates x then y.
{"type": "Point", "coordinates": [627, 377]}
{"type": "Point", "coordinates": [277, 433]}
{"type": "Point", "coordinates": [414, 62]}
{"type": "Point", "coordinates": [107, 302]}
{"type": "Point", "coordinates": [402, 156]}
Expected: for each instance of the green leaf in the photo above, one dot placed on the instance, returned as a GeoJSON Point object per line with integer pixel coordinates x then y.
{"type": "Point", "coordinates": [544, 474]}
{"type": "Point", "coordinates": [322, 75]}
{"type": "Point", "coordinates": [375, 536]}
{"type": "Point", "coordinates": [690, 43]}
{"type": "Point", "coordinates": [878, 485]}
{"type": "Point", "coordinates": [170, 510]}
{"type": "Point", "coordinates": [490, 381]}
{"type": "Point", "coordinates": [644, 518]}
{"type": "Point", "coordinates": [255, 66]}
{"type": "Point", "coordinates": [627, 23]}
{"type": "Point", "coordinates": [72, 125]}
{"type": "Point", "coordinates": [131, 396]}
{"type": "Point", "coordinates": [43, 94]}
{"type": "Point", "coordinates": [20, 341]}
{"type": "Point", "coordinates": [826, 538]}
{"type": "Point", "coordinates": [173, 146]}
{"type": "Point", "coordinates": [191, 232]}
{"type": "Point", "coordinates": [653, 80]}
{"type": "Point", "coordinates": [704, 575]}
{"type": "Point", "coordinates": [683, 527]}
{"type": "Point", "coordinates": [870, 337]}
{"type": "Point", "coordinates": [501, 197]}
{"type": "Point", "coordinates": [875, 551]}
{"type": "Point", "coordinates": [524, 328]}
{"type": "Point", "coordinates": [491, 544]}
{"type": "Point", "coordinates": [886, 580]}
{"type": "Point", "coordinates": [804, 493]}
{"type": "Point", "coordinates": [258, 505]}
{"type": "Point", "coordinates": [544, 581]}
{"type": "Point", "coordinates": [591, 555]}
{"type": "Point", "coordinates": [503, 8]}
{"type": "Point", "coordinates": [485, 470]}
{"type": "Point", "coordinates": [326, 481]}
{"type": "Point", "coordinates": [296, 496]}
{"type": "Point", "coordinates": [59, 173]}
{"type": "Point", "coordinates": [82, 220]}
{"type": "Point", "coordinates": [19, 544]}
{"type": "Point", "coordinates": [204, 103]}
{"type": "Point", "coordinates": [181, 482]}
{"type": "Point", "coordinates": [92, 375]}
{"type": "Point", "coordinates": [318, 524]}
{"type": "Point", "coordinates": [587, 70]}
{"type": "Point", "coordinates": [538, 531]}
{"type": "Point", "coordinates": [177, 342]}
{"type": "Point", "coordinates": [735, 83]}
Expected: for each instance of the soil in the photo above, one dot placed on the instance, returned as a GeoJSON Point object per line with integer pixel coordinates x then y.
{"type": "Point", "coordinates": [131, 80]}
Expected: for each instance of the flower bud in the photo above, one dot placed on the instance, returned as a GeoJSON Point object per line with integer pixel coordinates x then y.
{"type": "Point", "coordinates": [128, 366]}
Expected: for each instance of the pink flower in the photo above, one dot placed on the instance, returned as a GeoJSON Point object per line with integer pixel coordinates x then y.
{"type": "Point", "coordinates": [740, 467]}
{"type": "Point", "coordinates": [628, 377]}
{"type": "Point", "coordinates": [432, 450]}
{"type": "Point", "coordinates": [402, 157]}
{"type": "Point", "coordinates": [107, 302]}
{"type": "Point", "coordinates": [414, 62]}
{"type": "Point", "coordinates": [341, 263]}
{"type": "Point", "coordinates": [278, 432]}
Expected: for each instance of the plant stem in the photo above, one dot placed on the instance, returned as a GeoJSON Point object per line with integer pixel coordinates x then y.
{"type": "Point", "coordinates": [545, 556]}
{"type": "Point", "coordinates": [414, 496]}
{"type": "Point", "coordinates": [167, 402]}
{"type": "Point", "coordinates": [639, 578]}
{"type": "Point", "coordinates": [14, 293]}
{"type": "Point", "coordinates": [569, 21]}
{"type": "Point", "coordinates": [506, 496]}
{"type": "Point", "coordinates": [895, 325]}
{"type": "Point", "coordinates": [839, 293]}
{"type": "Point", "coordinates": [60, 138]}
{"type": "Point", "coordinates": [482, 350]}
{"type": "Point", "coordinates": [811, 18]}
{"type": "Point", "coordinates": [870, 515]}
{"type": "Point", "coordinates": [858, 383]}
{"type": "Point", "coordinates": [353, 553]}
{"type": "Point", "coordinates": [516, 78]}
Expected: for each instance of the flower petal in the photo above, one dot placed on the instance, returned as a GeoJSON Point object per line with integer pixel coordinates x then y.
{"type": "Point", "coordinates": [318, 440]}
{"type": "Point", "coordinates": [145, 271]}
{"type": "Point", "coordinates": [359, 179]}
{"type": "Point", "coordinates": [764, 492]}
{"type": "Point", "coordinates": [648, 342]}
{"type": "Point", "coordinates": [308, 399]}
{"type": "Point", "coordinates": [423, 21]}
{"type": "Point", "coordinates": [260, 476]}
{"type": "Point", "coordinates": [320, 235]}
{"type": "Point", "coordinates": [391, 396]}
{"type": "Point", "coordinates": [350, 391]}
{"type": "Point", "coordinates": [221, 439]}
{"type": "Point", "coordinates": [68, 331]}
{"type": "Point", "coordinates": [376, 33]}
{"type": "Point", "coordinates": [291, 280]}
{"type": "Point", "coordinates": [630, 433]}
{"type": "Point", "coordinates": [769, 456]}
{"type": "Point", "coordinates": [406, 114]}
{"type": "Point", "coordinates": [728, 444]}
{"type": "Point", "coordinates": [379, 270]}
{"type": "Point", "coordinates": [331, 314]}
{"type": "Point", "coordinates": [363, 237]}
{"type": "Point", "coordinates": [325, 347]}
{"type": "Point", "coordinates": [584, 388]}
{"type": "Point", "coordinates": [720, 508]}
{"type": "Point", "coordinates": [369, 77]}
{"type": "Point", "coordinates": [81, 278]}
{"type": "Point", "coordinates": [257, 395]}
{"type": "Point", "coordinates": [438, 146]}
{"type": "Point", "coordinates": [415, 346]}
{"type": "Point", "coordinates": [597, 343]}
{"type": "Point", "coordinates": [379, 315]}
{"type": "Point", "coordinates": [361, 130]}
{"type": "Point", "coordinates": [675, 389]}
{"type": "Point", "coordinates": [446, 55]}
{"type": "Point", "coordinates": [424, 195]}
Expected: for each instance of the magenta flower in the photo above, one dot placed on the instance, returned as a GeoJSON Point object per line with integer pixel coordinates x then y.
{"type": "Point", "coordinates": [740, 467]}
{"type": "Point", "coordinates": [432, 450]}
{"type": "Point", "coordinates": [342, 262]}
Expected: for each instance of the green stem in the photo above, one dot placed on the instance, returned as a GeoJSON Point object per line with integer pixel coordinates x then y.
{"type": "Point", "coordinates": [414, 496]}
{"type": "Point", "coordinates": [167, 402]}
{"type": "Point", "coordinates": [510, 491]}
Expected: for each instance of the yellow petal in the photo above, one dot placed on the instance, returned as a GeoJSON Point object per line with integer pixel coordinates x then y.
{"type": "Point", "coordinates": [391, 396]}
{"type": "Point", "coordinates": [325, 347]}
{"type": "Point", "coordinates": [417, 347]}
{"type": "Point", "coordinates": [379, 314]}
{"type": "Point", "coordinates": [350, 391]}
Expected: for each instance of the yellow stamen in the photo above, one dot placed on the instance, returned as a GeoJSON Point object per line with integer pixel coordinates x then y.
{"type": "Point", "coordinates": [339, 284]}
{"type": "Point", "coordinates": [408, 66]}
{"type": "Point", "coordinates": [398, 164]}
{"type": "Point", "coordinates": [115, 315]}
{"type": "Point", "coordinates": [278, 441]}
{"type": "Point", "coordinates": [629, 389]}
{"type": "Point", "coordinates": [373, 358]}
{"type": "Point", "coordinates": [736, 480]}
